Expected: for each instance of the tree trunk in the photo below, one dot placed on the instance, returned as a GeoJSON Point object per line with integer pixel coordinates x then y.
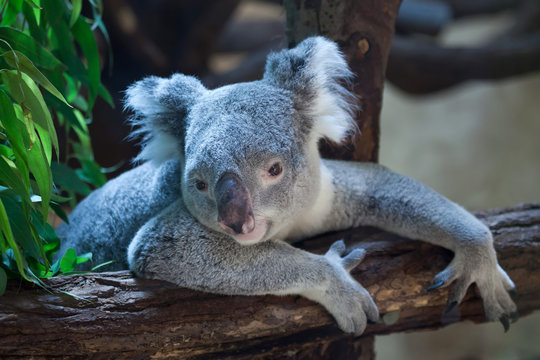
{"type": "Point", "coordinates": [117, 316]}
{"type": "Point", "coordinates": [363, 30]}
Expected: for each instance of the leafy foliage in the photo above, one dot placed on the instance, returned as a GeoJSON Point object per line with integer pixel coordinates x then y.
{"type": "Point", "coordinates": [49, 69]}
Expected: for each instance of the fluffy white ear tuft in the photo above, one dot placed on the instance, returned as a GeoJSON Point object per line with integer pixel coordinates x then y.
{"type": "Point", "coordinates": [159, 108]}
{"type": "Point", "coordinates": [318, 75]}
{"type": "Point", "coordinates": [333, 104]}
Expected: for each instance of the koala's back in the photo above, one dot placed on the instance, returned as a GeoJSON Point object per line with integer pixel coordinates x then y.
{"type": "Point", "coordinates": [105, 222]}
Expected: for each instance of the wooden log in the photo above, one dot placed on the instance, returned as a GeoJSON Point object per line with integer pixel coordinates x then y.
{"type": "Point", "coordinates": [363, 30]}
{"type": "Point", "coordinates": [117, 316]}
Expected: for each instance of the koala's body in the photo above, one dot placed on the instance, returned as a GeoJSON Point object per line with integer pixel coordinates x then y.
{"type": "Point", "coordinates": [231, 176]}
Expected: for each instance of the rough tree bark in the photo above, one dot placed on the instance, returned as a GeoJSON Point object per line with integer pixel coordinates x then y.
{"type": "Point", "coordinates": [363, 30]}
{"type": "Point", "coordinates": [118, 316]}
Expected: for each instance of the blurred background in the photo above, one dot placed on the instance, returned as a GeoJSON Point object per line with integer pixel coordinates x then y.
{"type": "Point", "coordinates": [461, 109]}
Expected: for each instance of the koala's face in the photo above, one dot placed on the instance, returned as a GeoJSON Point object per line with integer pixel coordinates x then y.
{"type": "Point", "coordinates": [247, 165]}
{"type": "Point", "coordinates": [251, 163]}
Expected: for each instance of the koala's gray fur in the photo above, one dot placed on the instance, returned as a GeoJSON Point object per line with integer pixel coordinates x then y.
{"type": "Point", "coordinates": [231, 174]}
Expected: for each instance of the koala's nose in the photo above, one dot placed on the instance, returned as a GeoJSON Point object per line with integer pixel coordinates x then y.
{"type": "Point", "coordinates": [235, 214]}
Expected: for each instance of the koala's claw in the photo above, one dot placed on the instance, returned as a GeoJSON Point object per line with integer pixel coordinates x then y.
{"type": "Point", "coordinates": [435, 285]}
{"type": "Point", "coordinates": [505, 323]}
{"type": "Point", "coordinates": [492, 281]}
{"type": "Point", "coordinates": [354, 258]}
{"type": "Point", "coordinates": [450, 307]}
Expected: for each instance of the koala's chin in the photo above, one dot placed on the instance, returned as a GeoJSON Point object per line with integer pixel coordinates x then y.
{"type": "Point", "coordinates": [256, 235]}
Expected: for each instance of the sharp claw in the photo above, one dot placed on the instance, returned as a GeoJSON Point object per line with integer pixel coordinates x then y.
{"type": "Point", "coordinates": [435, 285]}
{"type": "Point", "coordinates": [512, 292]}
{"type": "Point", "coordinates": [514, 316]}
{"type": "Point", "coordinates": [371, 322]}
{"type": "Point", "coordinates": [505, 323]}
{"type": "Point", "coordinates": [450, 307]}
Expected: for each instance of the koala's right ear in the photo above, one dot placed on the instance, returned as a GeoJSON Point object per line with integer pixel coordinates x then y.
{"type": "Point", "coordinates": [160, 107]}
{"type": "Point", "coordinates": [318, 76]}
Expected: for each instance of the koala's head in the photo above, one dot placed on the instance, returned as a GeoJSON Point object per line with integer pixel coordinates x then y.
{"type": "Point", "coordinates": [249, 151]}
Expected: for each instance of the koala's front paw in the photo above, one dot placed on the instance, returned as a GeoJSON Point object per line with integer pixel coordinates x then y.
{"type": "Point", "coordinates": [492, 282]}
{"type": "Point", "coordinates": [349, 303]}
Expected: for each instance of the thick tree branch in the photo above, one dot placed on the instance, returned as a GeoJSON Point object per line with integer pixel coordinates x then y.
{"type": "Point", "coordinates": [120, 316]}
{"type": "Point", "coordinates": [421, 67]}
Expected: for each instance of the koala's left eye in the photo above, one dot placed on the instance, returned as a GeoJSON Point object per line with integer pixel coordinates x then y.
{"type": "Point", "coordinates": [201, 185]}
{"type": "Point", "coordinates": [275, 169]}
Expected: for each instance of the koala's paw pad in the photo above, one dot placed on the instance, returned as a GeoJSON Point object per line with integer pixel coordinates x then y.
{"type": "Point", "coordinates": [492, 281]}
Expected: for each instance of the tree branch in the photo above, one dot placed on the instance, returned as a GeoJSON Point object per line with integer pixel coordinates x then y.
{"type": "Point", "coordinates": [120, 316]}
{"type": "Point", "coordinates": [420, 67]}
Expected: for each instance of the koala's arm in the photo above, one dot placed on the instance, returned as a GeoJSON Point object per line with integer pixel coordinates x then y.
{"type": "Point", "coordinates": [370, 194]}
{"type": "Point", "coordinates": [174, 247]}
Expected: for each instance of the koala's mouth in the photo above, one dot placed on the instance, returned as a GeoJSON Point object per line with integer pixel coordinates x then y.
{"type": "Point", "coordinates": [255, 235]}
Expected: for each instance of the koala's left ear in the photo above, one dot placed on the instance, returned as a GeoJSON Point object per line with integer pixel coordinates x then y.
{"type": "Point", "coordinates": [316, 72]}
{"type": "Point", "coordinates": [160, 107]}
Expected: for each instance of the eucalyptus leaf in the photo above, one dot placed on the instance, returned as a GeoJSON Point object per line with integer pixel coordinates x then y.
{"type": "Point", "coordinates": [42, 173]}
{"type": "Point", "coordinates": [14, 128]}
{"type": "Point", "coordinates": [84, 36]}
{"type": "Point", "coordinates": [27, 92]}
{"type": "Point", "coordinates": [75, 12]}
{"type": "Point", "coordinates": [20, 62]}
{"type": "Point", "coordinates": [5, 229]}
{"type": "Point", "coordinates": [31, 3]}
{"type": "Point", "coordinates": [59, 211]}
{"type": "Point", "coordinates": [67, 178]}
{"type": "Point", "coordinates": [69, 261]}
{"type": "Point", "coordinates": [13, 180]}
{"type": "Point", "coordinates": [18, 222]}
{"type": "Point", "coordinates": [39, 55]}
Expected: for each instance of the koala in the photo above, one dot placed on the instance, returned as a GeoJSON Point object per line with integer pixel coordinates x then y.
{"type": "Point", "coordinates": [230, 177]}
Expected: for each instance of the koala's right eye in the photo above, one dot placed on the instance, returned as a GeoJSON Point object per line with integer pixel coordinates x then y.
{"type": "Point", "coordinates": [201, 185]}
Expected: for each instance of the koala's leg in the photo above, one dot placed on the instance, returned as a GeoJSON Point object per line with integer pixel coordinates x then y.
{"type": "Point", "coordinates": [369, 194]}
{"type": "Point", "coordinates": [174, 247]}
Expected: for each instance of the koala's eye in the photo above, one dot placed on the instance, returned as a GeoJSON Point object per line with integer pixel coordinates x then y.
{"type": "Point", "coordinates": [201, 185]}
{"type": "Point", "coordinates": [275, 169]}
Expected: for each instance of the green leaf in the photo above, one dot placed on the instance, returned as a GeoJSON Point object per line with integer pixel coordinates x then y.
{"type": "Point", "coordinates": [103, 264]}
{"type": "Point", "coordinates": [3, 281]}
{"type": "Point", "coordinates": [39, 55]}
{"type": "Point", "coordinates": [42, 173]}
{"type": "Point", "coordinates": [31, 20]}
{"type": "Point", "coordinates": [18, 222]}
{"type": "Point", "coordinates": [20, 62]}
{"type": "Point", "coordinates": [59, 211]}
{"type": "Point", "coordinates": [55, 268]}
{"type": "Point", "coordinates": [31, 97]}
{"type": "Point", "coordinates": [55, 10]}
{"type": "Point", "coordinates": [67, 178]}
{"type": "Point", "coordinates": [75, 12]}
{"type": "Point", "coordinates": [10, 13]}
{"type": "Point", "coordinates": [14, 128]}
{"type": "Point", "coordinates": [8, 236]}
{"type": "Point", "coordinates": [84, 258]}
{"type": "Point", "coordinates": [84, 36]}
{"type": "Point", "coordinates": [13, 180]}
{"type": "Point", "coordinates": [91, 172]}
{"type": "Point", "coordinates": [65, 112]}
{"type": "Point", "coordinates": [69, 261]}
{"type": "Point", "coordinates": [31, 3]}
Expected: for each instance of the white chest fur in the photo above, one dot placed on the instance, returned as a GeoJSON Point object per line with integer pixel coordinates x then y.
{"type": "Point", "coordinates": [311, 221]}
